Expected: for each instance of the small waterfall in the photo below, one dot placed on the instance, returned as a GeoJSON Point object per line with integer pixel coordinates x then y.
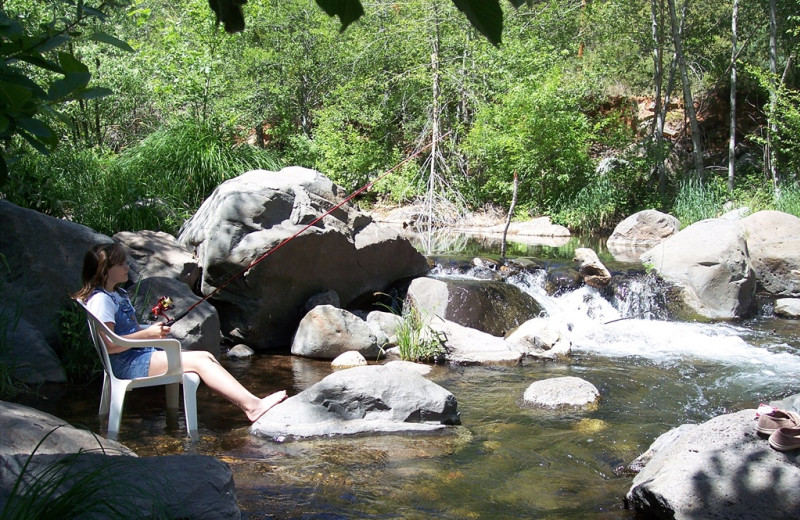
{"type": "Point", "coordinates": [634, 324]}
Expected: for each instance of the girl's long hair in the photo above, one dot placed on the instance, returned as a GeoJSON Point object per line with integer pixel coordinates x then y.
{"type": "Point", "coordinates": [96, 263]}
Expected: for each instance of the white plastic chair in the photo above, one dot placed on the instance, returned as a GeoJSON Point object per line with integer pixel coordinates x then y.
{"type": "Point", "coordinates": [114, 389]}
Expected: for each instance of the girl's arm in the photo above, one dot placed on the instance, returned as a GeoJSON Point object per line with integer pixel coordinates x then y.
{"type": "Point", "coordinates": [154, 331]}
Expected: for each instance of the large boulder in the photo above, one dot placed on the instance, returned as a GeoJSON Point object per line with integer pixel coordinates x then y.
{"type": "Point", "coordinates": [708, 261]}
{"type": "Point", "coordinates": [44, 256]}
{"type": "Point", "coordinates": [158, 254]}
{"type": "Point", "coordinates": [488, 306]}
{"type": "Point", "coordinates": [180, 486]}
{"type": "Point", "coordinates": [640, 232]}
{"type": "Point", "coordinates": [773, 241]}
{"type": "Point", "coordinates": [25, 430]}
{"type": "Point", "coordinates": [367, 399]}
{"type": "Point", "coordinates": [719, 469]}
{"type": "Point", "coordinates": [326, 332]}
{"type": "Point", "coordinates": [29, 356]}
{"type": "Point", "coordinates": [250, 216]}
{"type": "Point", "coordinates": [558, 392]}
{"type": "Point", "coordinates": [198, 330]}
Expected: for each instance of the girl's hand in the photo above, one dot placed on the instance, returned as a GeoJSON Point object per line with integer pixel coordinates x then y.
{"type": "Point", "coordinates": [157, 331]}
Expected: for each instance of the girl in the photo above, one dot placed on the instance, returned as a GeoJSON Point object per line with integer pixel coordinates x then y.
{"type": "Point", "coordinates": [105, 268]}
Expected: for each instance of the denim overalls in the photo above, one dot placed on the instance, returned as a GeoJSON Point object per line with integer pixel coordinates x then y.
{"type": "Point", "coordinates": [135, 362]}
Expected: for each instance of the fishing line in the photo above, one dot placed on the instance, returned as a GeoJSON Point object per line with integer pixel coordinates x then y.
{"type": "Point", "coordinates": [261, 258]}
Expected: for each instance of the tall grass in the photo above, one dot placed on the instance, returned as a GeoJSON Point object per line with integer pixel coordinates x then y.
{"type": "Point", "coordinates": [156, 184]}
{"type": "Point", "coordinates": [697, 200]}
{"type": "Point", "coordinates": [788, 200]}
{"type": "Point", "coordinates": [416, 340]}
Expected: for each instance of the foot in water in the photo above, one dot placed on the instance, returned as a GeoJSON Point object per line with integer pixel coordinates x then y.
{"type": "Point", "coordinates": [266, 403]}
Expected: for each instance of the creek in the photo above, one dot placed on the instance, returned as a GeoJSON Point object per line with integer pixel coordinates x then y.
{"type": "Point", "coordinates": [505, 461]}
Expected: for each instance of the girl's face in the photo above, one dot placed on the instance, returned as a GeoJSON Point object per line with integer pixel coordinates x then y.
{"type": "Point", "coordinates": [117, 274]}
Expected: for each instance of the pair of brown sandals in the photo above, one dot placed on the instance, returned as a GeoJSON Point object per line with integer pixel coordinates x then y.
{"type": "Point", "coordinates": [782, 426]}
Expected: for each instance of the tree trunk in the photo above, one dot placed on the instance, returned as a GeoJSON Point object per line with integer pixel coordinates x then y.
{"type": "Point", "coordinates": [658, 116]}
{"type": "Point", "coordinates": [769, 153]}
{"type": "Point", "coordinates": [687, 92]}
{"type": "Point", "coordinates": [732, 141]}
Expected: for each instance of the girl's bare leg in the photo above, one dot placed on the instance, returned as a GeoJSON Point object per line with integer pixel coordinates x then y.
{"type": "Point", "coordinates": [220, 380]}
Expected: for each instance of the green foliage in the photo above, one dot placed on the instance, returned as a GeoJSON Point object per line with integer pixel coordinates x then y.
{"type": "Point", "coordinates": [416, 340]}
{"type": "Point", "coordinates": [155, 185]}
{"type": "Point", "coordinates": [788, 200]}
{"type": "Point", "coordinates": [78, 355]}
{"type": "Point", "coordinates": [38, 68]}
{"type": "Point", "coordinates": [74, 487]}
{"type": "Point", "coordinates": [539, 132]}
{"type": "Point", "coordinates": [697, 200]}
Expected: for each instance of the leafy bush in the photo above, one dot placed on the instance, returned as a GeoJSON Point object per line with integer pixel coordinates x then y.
{"type": "Point", "coordinates": [157, 184]}
{"type": "Point", "coordinates": [537, 131]}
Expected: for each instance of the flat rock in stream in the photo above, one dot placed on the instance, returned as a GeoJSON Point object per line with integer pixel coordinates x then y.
{"type": "Point", "coordinates": [368, 399]}
{"type": "Point", "coordinates": [720, 469]}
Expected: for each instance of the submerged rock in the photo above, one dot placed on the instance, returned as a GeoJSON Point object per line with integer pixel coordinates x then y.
{"type": "Point", "coordinates": [561, 391]}
{"type": "Point", "coordinates": [369, 399]}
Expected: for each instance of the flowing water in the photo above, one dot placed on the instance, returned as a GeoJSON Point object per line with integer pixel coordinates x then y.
{"type": "Point", "coordinates": [505, 460]}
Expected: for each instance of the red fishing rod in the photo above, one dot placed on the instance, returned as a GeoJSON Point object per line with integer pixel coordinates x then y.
{"type": "Point", "coordinates": [165, 303]}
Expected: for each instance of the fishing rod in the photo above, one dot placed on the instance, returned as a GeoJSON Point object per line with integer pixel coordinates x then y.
{"type": "Point", "coordinates": [165, 303]}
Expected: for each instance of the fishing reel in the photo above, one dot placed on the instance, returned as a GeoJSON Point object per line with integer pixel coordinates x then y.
{"type": "Point", "coordinates": [159, 309]}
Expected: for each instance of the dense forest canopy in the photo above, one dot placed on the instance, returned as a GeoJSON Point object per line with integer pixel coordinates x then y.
{"type": "Point", "coordinates": [601, 107]}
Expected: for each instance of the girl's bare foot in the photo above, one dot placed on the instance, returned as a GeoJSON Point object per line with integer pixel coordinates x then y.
{"type": "Point", "coordinates": [265, 404]}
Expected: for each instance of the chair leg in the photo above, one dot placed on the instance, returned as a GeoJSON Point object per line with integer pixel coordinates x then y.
{"type": "Point", "coordinates": [105, 396]}
{"type": "Point", "coordinates": [190, 383]}
{"type": "Point", "coordinates": [172, 395]}
{"type": "Point", "coordinates": [115, 413]}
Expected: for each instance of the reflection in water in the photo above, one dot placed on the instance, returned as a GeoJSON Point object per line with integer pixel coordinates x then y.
{"type": "Point", "coordinates": [506, 460]}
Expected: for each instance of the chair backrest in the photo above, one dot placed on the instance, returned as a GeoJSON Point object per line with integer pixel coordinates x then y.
{"type": "Point", "coordinates": [172, 347]}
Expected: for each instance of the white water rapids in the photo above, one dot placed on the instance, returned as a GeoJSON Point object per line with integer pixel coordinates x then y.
{"type": "Point", "coordinates": [596, 326]}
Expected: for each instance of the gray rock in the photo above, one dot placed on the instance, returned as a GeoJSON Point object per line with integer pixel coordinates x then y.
{"type": "Point", "coordinates": [466, 346]}
{"type": "Point", "coordinates": [491, 307]}
{"type": "Point", "coordinates": [773, 242]}
{"type": "Point", "coordinates": [181, 486]}
{"type": "Point", "coordinates": [26, 429]}
{"type": "Point", "coordinates": [240, 351]}
{"type": "Point", "coordinates": [349, 359]}
{"type": "Point", "coordinates": [719, 469]}
{"type": "Point", "coordinates": [29, 357]}
{"type": "Point", "coordinates": [326, 332]}
{"type": "Point", "coordinates": [44, 257]}
{"type": "Point", "coordinates": [248, 216]}
{"type": "Point", "coordinates": [370, 399]}
{"type": "Point", "coordinates": [538, 337]}
{"type": "Point", "coordinates": [591, 269]}
{"type": "Point", "coordinates": [559, 392]}
{"type": "Point", "coordinates": [196, 487]}
{"type": "Point", "coordinates": [642, 231]}
{"type": "Point", "coordinates": [787, 307]}
{"type": "Point", "coordinates": [198, 330]}
{"type": "Point", "coordinates": [708, 261]}
{"type": "Point", "coordinates": [158, 254]}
